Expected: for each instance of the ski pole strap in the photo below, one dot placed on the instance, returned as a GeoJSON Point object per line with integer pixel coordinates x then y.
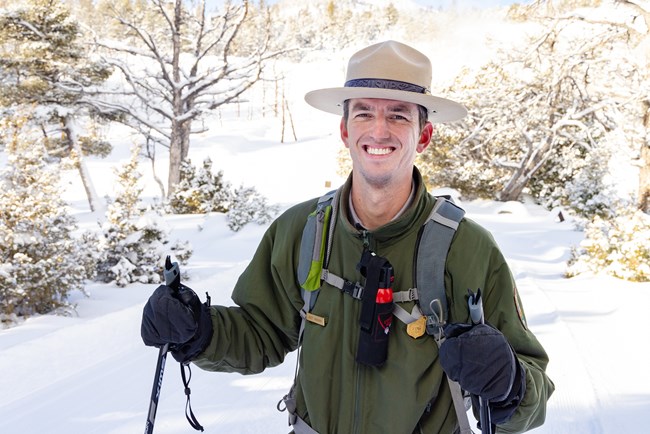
{"type": "Point", "coordinates": [189, 414]}
{"type": "Point", "coordinates": [459, 406]}
{"type": "Point", "coordinates": [457, 398]}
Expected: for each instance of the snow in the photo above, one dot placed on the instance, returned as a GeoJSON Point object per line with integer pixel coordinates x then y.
{"type": "Point", "coordinates": [91, 373]}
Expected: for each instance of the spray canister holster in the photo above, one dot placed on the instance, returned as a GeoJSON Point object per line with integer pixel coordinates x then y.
{"type": "Point", "coordinates": [376, 309]}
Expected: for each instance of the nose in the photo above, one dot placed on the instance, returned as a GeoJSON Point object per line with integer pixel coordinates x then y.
{"type": "Point", "coordinates": [380, 130]}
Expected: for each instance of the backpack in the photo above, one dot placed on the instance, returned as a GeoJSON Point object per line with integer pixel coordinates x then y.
{"type": "Point", "coordinates": [430, 313]}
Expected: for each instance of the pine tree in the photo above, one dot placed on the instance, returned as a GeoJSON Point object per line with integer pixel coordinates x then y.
{"type": "Point", "coordinates": [618, 246]}
{"type": "Point", "coordinates": [41, 261]}
{"type": "Point", "coordinates": [135, 237]}
{"type": "Point", "coordinates": [200, 192]}
{"type": "Point", "coordinates": [248, 205]}
{"type": "Point", "coordinates": [44, 63]}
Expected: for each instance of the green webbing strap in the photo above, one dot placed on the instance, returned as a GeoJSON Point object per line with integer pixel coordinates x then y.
{"type": "Point", "coordinates": [314, 244]}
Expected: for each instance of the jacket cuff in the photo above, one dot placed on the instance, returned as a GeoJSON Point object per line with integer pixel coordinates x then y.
{"type": "Point", "coordinates": [191, 349]}
{"type": "Point", "coordinates": [502, 411]}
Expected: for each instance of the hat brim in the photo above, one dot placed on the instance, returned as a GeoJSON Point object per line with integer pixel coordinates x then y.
{"type": "Point", "coordinates": [331, 100]}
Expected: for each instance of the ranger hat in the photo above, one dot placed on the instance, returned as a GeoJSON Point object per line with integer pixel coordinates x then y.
{"type": "Point", "coordinates": [388, 70]}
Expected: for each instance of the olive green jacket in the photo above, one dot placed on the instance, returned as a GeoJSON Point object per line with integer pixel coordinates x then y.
{"type": "Point", "coordinates": [335, 394]}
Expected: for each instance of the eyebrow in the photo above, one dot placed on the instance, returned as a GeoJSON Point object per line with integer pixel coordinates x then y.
{"type": "Point", "coordinates": [398, 107]}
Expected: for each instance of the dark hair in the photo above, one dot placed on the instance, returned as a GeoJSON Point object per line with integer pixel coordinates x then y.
{"type": "Point", "coordinates": [423, 113]}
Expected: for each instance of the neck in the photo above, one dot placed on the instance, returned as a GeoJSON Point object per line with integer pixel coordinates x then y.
{"type": "Point", "coordinates": [376, 207]}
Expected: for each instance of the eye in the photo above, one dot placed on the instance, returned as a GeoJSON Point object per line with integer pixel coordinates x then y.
{"type": "Point", "coordinates": [400, 117]}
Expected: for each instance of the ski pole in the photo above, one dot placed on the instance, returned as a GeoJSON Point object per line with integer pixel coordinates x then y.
{"type": "Point", "coordinates": [476, 313]}
{"type": "Point", "coordinates": [173, 280]}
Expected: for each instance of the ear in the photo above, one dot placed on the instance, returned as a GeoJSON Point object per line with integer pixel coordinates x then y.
{"type": "Point", "coordinates": [344, 132]}
{"type": "Point", "coordinates": [425, 137]}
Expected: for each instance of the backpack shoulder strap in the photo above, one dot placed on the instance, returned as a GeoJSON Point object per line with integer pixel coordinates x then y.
{"type": "Point", "coordinates": [434, 240]}
{"type": "Point", "coordinates": [433, 247]}
{"type": "Point", "coordinates": [314, 252]}
{"type": "Point", "coordinates": [312, 263]}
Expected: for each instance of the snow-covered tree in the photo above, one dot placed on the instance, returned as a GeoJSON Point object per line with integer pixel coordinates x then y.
{"type": "Point", "coordinates": [183, 69]}
{"type": "Point", "coordinates": [330, 26]}
{"type": "Point", "coordinates": [638, 27]}
{"type": "Point", "coordinates": [41, 261]}
{"type": "Point", "coordinates": [45, 64]}
{"type": "Point", "coordinates": [248, 205]}
{"type": "Point", "coordinates": [619, 246]}
{"type": "Point", "coordinates": [201, 192]}
{"type": "Point", "coordinates": [135, 237]}
{"type": "Point", "coordinates": [541, 108]}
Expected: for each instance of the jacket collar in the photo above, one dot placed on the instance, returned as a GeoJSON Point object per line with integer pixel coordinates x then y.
{"type": "Point", "coordinates": [416, 210]}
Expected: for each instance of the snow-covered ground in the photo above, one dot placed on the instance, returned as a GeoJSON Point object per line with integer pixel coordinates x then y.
{"type": "Point", "coordinates": [91, 373]}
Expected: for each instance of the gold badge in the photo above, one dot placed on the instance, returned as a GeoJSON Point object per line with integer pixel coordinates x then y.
{"type": "Point", "coordinates": [417, 328]}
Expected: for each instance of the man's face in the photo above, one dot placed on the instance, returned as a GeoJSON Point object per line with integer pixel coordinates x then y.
{"type": "Point", "coordinates": [383, 137]}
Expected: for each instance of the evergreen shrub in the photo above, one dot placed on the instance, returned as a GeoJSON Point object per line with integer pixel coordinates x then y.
{"type": "Point", "coordinates": [135, 237]}
{"type": "Point", "coordinates": [201, 191]}
{"type": "Point", "coordinates": [618, 246]}
{"type": "Point", "coordinates": [41, 259]}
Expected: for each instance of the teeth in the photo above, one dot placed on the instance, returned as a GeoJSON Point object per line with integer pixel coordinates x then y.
{"type": "Point", "coordinates": [379, 151]}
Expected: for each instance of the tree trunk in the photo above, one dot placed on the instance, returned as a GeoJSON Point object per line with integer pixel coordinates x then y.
{"type": "Point", "coordinates": [530, 164]}
{"type": "Point", "coordinates": [644, 179]}
{"type": "Point", "coordinates": [176, 151]}
{"type": "Point", "coordinates": [150, 152]}
{"type": "Point", "coordinates": [514, 189]}
{"type": "Point", "coordinates": [184, 132]}
{"type": "Point", "coordinates": [644, 172]}
{"type": "Point", "coordinates": [71, 135]}
{"type": "Point", "coordinates": [175, 158]}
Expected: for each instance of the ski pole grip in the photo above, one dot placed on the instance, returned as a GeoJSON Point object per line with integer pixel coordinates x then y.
{"type": "Point", "coordinates": [172, 274]}
{"type": "Point", "coordinates": [475, 305]}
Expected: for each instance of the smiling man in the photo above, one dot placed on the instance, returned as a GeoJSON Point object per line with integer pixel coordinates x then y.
{"type": "Point", "coordinates": [383, 137]}
{"type": "Point", "coordinates": [331, 274]}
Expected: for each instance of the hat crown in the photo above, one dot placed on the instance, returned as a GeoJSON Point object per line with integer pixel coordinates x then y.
{"type": "Point", "coordinates": [388, 70]}
{"type": "Point", "coordinates": [391, 60]}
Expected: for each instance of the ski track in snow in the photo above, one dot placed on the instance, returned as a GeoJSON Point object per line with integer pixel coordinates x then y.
{"type": "Point", "coordinates": [586, 327]}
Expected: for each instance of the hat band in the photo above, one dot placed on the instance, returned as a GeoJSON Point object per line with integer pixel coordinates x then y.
{"type": "Point", "coordinates": [379, 83]}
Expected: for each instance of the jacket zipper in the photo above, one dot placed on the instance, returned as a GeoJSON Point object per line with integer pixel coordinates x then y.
{"type": "Point", "coordinates": [356, 424]}
{"type": "Point", "coordinates": [358, 399]}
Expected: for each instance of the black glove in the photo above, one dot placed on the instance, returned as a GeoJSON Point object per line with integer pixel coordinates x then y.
{"type": "Point", "coordinates": [179, 319]}
{"type": "Point", "coordinates": [481, 360]}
